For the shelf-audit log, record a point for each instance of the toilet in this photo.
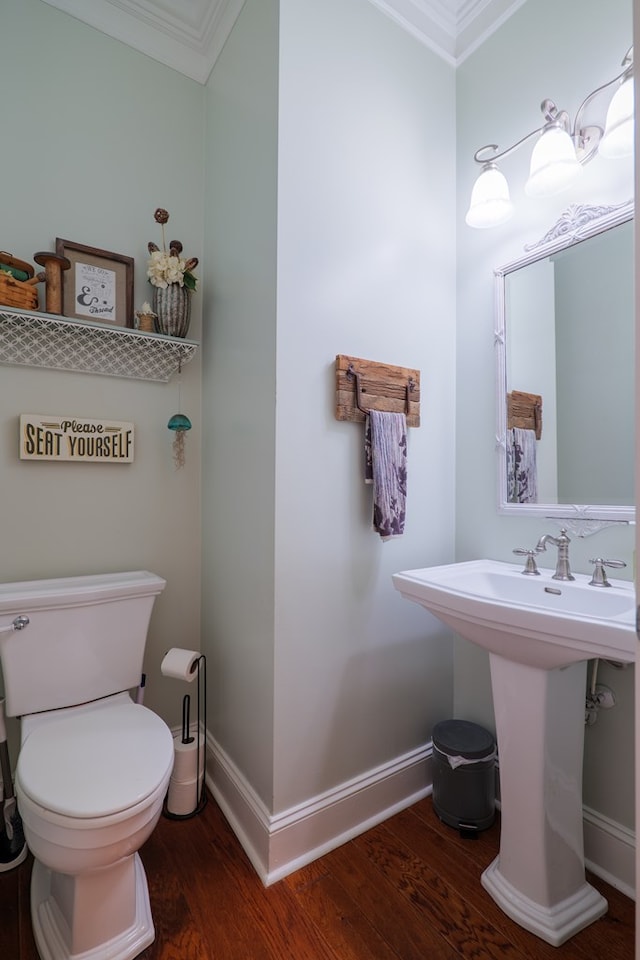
(93, 766)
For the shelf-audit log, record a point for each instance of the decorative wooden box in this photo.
(17, 283)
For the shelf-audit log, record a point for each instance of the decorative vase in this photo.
(172, 306)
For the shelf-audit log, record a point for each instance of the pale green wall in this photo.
(127, 135)
(96, 137)
(499, 89)
(239, 392)
(322, 671)
(332, 671)
(596, 370)
(531, 364)
(366, 267)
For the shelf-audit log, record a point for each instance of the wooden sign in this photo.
(524, 410)
(382, 387)
(47, 437)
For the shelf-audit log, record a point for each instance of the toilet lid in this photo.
(96, 762)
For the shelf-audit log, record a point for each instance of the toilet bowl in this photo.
(90, 784)
(93, 766)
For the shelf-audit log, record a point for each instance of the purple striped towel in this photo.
(522, 477)
(386, 469)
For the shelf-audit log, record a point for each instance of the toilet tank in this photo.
(85, 638)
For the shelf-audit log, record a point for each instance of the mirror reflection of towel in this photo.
(522, 474)
(386, 469)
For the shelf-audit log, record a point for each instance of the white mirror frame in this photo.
(576, 224)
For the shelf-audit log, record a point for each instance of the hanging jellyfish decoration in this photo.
(179, 424)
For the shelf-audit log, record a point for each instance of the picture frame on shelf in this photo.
(98, 286)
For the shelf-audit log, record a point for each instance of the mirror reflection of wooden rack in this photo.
(524, 410)
(364, 385)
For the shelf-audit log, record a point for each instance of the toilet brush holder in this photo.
(13, 846)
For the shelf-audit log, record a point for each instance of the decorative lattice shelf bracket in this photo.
(58, 343)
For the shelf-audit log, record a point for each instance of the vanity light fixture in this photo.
(559, 152)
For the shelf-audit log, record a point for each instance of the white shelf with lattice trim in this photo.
(60, 343)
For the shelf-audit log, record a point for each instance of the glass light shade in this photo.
(490, 204)
(554, 165)
(617, 140)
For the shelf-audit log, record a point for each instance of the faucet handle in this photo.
(599, 578)
(530, 568)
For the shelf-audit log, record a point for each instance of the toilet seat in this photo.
(96, 763)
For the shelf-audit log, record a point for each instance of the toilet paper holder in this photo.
(186, 799)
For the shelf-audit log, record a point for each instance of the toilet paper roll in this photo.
(180, 664)
(186, 757)
(182, 798)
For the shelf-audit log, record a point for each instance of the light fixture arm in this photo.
(581, 135)
(501, 154)
(551, 115)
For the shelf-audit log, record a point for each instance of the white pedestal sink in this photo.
(539, 633)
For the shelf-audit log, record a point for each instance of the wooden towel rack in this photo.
(524, 410)
(363, 385)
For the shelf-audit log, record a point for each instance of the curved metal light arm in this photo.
(552, 116)
(500, 154)
(627, 63)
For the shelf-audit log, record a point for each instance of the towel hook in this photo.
(352, 374)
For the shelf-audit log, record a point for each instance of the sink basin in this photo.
(531, 620)
(539, 633)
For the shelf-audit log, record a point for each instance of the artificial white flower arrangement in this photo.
(165, 268)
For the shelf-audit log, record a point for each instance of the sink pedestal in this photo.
(539, 633)
(538, 877)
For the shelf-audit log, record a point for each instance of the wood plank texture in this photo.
(409, 889)
(524, 410)
(383, 387)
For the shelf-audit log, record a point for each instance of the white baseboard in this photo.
(242, 807)
(279, 844)
(610, 851)
(313, 828)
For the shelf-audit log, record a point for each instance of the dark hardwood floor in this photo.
(408, 889)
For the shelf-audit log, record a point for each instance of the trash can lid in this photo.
(462, 738)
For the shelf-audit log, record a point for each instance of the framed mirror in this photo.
(565, 371)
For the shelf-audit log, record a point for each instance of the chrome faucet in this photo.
(562, 542)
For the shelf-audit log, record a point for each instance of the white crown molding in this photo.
(432, 22)
(191, 41)
(451, 28)
(478, 20)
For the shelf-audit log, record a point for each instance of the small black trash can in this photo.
(464, 756)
